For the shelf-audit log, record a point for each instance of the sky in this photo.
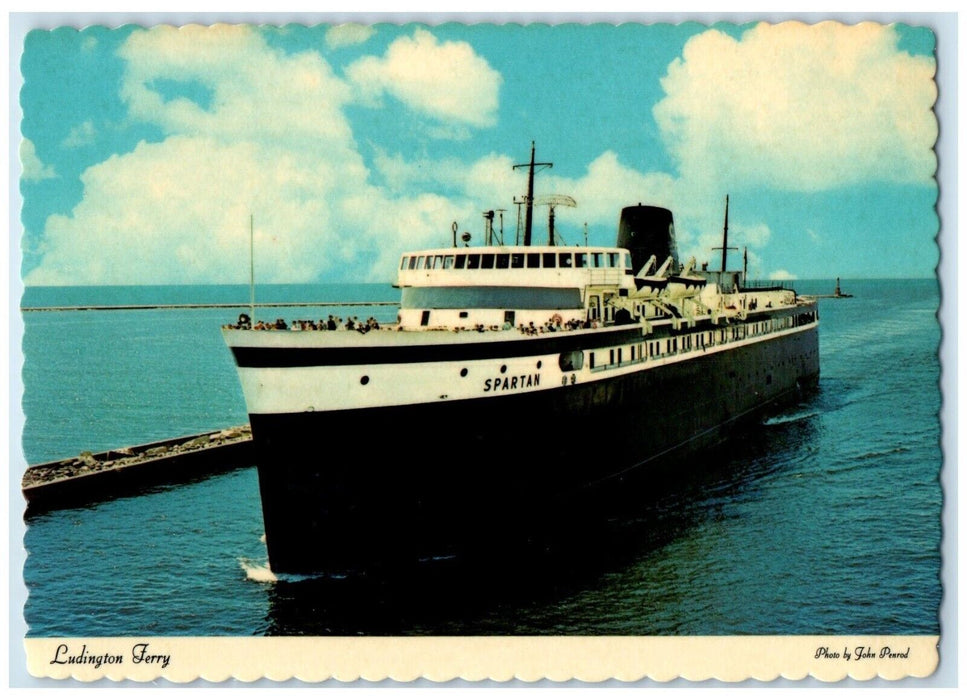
(145, 151)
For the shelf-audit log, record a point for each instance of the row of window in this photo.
(503, 261)
(692, 341)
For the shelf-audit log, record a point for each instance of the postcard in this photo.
(562, 352)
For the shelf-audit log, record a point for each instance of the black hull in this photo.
(350, 489)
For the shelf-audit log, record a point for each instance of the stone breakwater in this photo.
(92, 476)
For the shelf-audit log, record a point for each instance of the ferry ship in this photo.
(516, 378)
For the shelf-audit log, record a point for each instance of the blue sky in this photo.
(146, 150)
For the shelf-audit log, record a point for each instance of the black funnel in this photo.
(647, 231)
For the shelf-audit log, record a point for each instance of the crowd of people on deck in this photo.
(352, 323)
(333, 323)
(555, 324)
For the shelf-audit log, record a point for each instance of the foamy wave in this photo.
(790, 418)
(260, 573)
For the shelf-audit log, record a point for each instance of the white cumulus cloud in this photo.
(257, 93)
(272, 141)
(448, 81)
(348, 35)
(34, 169)
(81, 135)
(607, 186)
(800, 107)
(491, 182)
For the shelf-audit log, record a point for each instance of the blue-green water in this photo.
(823, 520)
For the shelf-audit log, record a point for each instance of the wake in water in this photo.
(260, 573)
(876, 454)
(790, 417)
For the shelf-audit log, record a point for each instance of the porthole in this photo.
(364, 380)
(539, 364)
(503, 369)
(463, 372)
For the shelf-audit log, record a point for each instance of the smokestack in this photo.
(647, 231)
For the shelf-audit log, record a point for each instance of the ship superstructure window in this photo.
(480, 297)
(504, 261)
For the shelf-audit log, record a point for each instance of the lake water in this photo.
(824, 519)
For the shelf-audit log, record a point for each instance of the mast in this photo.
(251, 266)
(725, 236)
(529, 200)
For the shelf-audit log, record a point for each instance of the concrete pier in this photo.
(91, 477)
